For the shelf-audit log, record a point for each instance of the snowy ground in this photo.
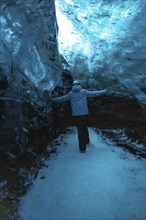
(105, 183)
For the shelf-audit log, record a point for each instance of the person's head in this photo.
(76, 82)
(76, 87)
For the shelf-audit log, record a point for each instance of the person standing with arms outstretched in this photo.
(78, 98)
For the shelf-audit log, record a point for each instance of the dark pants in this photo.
(83, 134)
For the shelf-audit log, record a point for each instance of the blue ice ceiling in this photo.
(103, 42)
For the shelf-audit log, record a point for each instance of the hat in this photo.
(76, 82)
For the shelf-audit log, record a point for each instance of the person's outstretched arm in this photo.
(63, 98)
(95, 93)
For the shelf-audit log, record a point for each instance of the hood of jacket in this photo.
(76, 88)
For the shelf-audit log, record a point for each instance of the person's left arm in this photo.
(95, 93)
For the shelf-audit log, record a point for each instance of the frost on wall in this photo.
(104, 43)
(29, 45)
(29, 67)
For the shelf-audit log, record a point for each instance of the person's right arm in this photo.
(95, 93)
(63, 98)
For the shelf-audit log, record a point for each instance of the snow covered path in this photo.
(105, 183)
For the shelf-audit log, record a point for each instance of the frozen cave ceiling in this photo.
(103, 42)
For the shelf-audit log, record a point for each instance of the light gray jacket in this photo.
(78, 99)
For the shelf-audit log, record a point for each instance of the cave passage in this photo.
(44, 46)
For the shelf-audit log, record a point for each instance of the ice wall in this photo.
(30, 68)
(29, 44)
(104, 43)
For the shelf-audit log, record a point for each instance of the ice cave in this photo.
(44, 46)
